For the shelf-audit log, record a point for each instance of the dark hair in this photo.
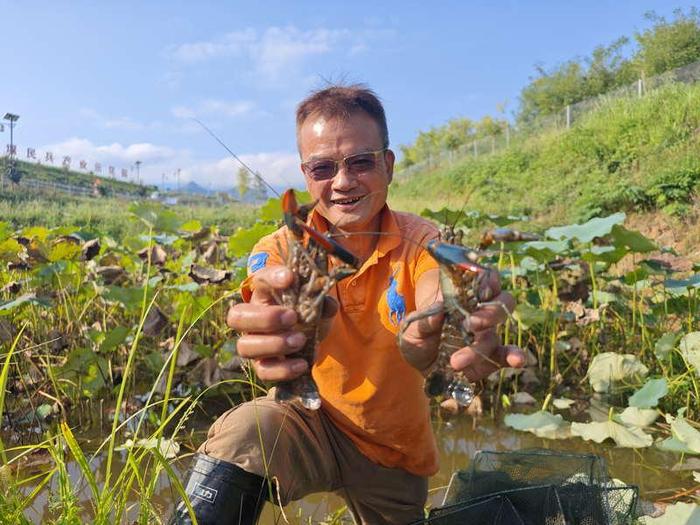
(338, 101)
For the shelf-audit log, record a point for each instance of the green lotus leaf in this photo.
(544, 251)
(648, 396)
(542, 424)
(241, 243)
(632, 240)
(9, 250)
(606, 254)
(586, 232)
(664, 345)
(529, 315)
(156, 216)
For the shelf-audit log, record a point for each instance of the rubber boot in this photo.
(222, 493)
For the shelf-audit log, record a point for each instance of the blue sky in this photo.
(117, 82)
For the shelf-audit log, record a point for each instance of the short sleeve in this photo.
(425, 261)
(266, 252)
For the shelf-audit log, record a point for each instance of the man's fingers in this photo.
(268, 281)
(259, 346)
(250, 317)
(490, 286)
(485, 356)
(279, 369)
(492, 314)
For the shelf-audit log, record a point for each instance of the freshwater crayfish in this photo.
(461, 280)
(307, 257)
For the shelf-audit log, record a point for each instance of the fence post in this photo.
(568, 116)
(639, 88)
(474, 148)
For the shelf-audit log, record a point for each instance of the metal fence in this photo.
(58, 187)
(561, 120)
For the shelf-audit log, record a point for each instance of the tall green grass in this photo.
(628, 154)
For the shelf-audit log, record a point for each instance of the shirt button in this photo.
(354, 283)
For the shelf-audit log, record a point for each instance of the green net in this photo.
(538, 487)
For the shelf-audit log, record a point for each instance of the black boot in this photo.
(222, 493)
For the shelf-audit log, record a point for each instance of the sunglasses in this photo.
(357, 164)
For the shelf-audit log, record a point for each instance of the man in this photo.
(371, 441)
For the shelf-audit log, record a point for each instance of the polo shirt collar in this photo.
(389, 227)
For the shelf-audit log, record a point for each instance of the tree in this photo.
(259, 188)
(243, 178)
(668, 45)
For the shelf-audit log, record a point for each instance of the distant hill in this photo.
(41, 175)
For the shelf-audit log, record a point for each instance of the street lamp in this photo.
(11, 118)
(138, 171)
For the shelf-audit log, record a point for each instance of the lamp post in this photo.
(138, 171)
(11, 118)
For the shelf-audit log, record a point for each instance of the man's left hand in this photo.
(421, 339)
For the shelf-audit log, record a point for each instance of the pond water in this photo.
(650, 469)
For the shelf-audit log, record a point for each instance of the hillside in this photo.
(635, 155)
(41, 174)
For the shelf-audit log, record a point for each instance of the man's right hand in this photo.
(267, 328)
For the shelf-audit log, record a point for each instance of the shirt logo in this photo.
(205, 493)
(257, 261)
(395, 301)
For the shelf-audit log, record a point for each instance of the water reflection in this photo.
(650, 469)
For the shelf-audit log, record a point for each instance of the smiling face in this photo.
(348, 201)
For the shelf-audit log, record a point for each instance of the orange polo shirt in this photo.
(366, 387)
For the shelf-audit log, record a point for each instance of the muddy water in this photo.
(458, 441)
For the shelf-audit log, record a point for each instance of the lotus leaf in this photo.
(648, 396)
(542, 424)
(157, 217)
(241, 243)
(10, 250)
(684, 438)
(528, 315)
(680, 288)
(675, 514)
(113, 338)
(690, 350)
(632, 240)
(586, 232)
(628, 437)
(544, 251)
(605, 254)
(664, 345)
(562, 403)
(609, 367)
(192, 226)
(638, 417)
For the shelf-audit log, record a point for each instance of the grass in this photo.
(107, 215)
(629, 154)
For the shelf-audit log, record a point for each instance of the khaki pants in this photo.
(304, 452)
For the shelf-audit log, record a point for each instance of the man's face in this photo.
(352, 199)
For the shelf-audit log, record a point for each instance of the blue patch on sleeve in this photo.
(257, 261)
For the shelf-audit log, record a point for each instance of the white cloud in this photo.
(279, 169)
(277, 52)
(85, 149)
(122, 122)
(231, 109)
